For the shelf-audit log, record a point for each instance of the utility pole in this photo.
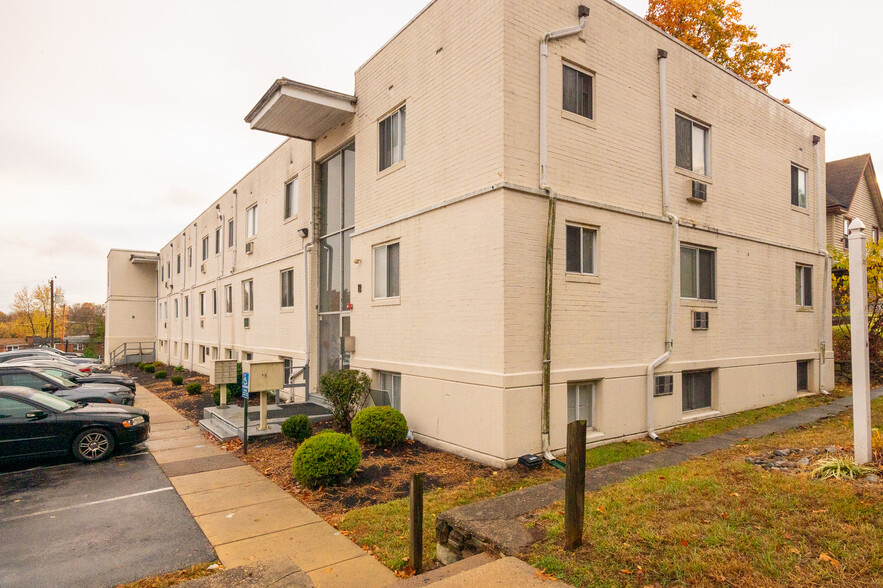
(52, 312)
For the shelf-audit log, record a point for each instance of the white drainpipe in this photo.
(550, 225)
(661, 57)
(823, 250)
(183, 289)
(193, 305)
(218, 275)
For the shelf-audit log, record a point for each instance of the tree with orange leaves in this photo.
(715, 29)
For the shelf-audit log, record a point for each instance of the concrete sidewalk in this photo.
(246, 517)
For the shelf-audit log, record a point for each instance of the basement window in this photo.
(802, 376)
(388, 391)
(577, 92)
(696, 390)
(664, 385)
(580, 402)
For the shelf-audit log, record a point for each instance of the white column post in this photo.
(858, 321)
(263, 422)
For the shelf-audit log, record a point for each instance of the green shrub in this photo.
(160, 375)
(179, 368)
(328, 459)
(158, 364)
(194, 388)
(140, 365)
(346, 390)
(297, 427)
(177, 380)
(216, 396)
(149, 368)
(382, 426)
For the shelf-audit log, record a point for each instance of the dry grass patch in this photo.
(165, 580)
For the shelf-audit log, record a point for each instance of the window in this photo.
(291, 198)
(697, 272)
(203, 353)
(386, 271)
(190, 257)
(802, 376)
(846, 222)
(214, 301)
(691, 145)
(186, 306)
(214, 353)
(162, 273)
(580, 249)
(228, 354)
(228, 299)
(798, 187)
(251, 221)
(24, 379)
(247, 296)
(230, 233)
(186, 350)
(664, 385)
(389, 390)
(580, 400)
(176, 308)
(175, 348)
(392, 139)
(700, 320)
(205, 248)
(696, 390)
(577, 92)
(218, 241)
(287, 371)
(13, 409)
(803, 285)
(202, 304)
(169, 269)
(287, 288)
(178, 264)
(247, 356)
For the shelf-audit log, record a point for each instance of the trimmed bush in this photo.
(328, 459)
(345, 390)
(160, 375)
(194, 388)
(149, 368)
(140, 365)
(177, 380)
(158, 364)
(382, 426)
(297, 427)
(179, 368)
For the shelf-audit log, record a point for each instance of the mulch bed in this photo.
(189, 405)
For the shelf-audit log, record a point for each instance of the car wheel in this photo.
(93, 445)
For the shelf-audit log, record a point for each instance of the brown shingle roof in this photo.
(843, 177)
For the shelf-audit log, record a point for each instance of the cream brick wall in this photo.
(130, 309)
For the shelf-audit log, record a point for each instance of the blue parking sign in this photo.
(245, 385)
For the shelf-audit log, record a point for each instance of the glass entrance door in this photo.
(336, 222)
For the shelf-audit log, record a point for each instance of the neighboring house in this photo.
(402, 230)
(13, 343)
(853, 192)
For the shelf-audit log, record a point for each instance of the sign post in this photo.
(858, 324)
(245, 379)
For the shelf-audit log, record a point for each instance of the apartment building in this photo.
(527, 213)
(852, 192)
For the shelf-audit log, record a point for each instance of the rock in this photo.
(445, 554)
(872, 478)
(782, 452)
(780, 463)
(789, 464)
(803, 462)
(831, 449)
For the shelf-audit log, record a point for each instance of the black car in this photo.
(37, 424)
(35, 379)
(61, 370)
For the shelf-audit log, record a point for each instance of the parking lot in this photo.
(64, 523)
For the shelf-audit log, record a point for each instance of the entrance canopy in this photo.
(299, 110)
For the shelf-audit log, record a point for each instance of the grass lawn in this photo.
(717, 520)
(383, 528)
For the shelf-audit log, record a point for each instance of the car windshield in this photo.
(53, 402)
(60, 381)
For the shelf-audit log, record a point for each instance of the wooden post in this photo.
(575, 485)
(416, 520)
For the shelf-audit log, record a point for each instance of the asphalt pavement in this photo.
(63, 523)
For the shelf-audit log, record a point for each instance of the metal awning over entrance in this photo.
(299, 110)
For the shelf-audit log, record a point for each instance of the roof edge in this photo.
(285, 83)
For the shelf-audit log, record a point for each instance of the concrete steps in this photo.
(227, 423)
(443, 572)
(480, 570)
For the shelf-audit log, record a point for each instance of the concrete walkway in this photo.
(246, 517)
(495, 522)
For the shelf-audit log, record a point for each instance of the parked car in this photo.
(37, 424)
(83, 362)
(37, 380)
(62, 353)
(69, 371)
(47, 359)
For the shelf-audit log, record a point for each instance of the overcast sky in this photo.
(122, 120)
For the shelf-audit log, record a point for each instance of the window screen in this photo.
(696, 390)
(577, 92)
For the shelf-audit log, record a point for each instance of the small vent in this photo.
(202, 267)
(249, 248)
(201, 323)
(698, 191)
(246, 322)
(700, 320)
(664, 385)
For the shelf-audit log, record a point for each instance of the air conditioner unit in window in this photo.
(202, 267)
(700, 320)
(246, 322)
(698, 191)
(249, 248)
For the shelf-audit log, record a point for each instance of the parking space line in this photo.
(70, 464)
(94, 502)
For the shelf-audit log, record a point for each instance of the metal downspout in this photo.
(583, 14)
(826, 277)
(192, 313)
(220, 271)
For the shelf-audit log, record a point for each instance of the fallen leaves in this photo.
(827, 558)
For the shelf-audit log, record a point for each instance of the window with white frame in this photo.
(697, 272)
(230, 233)
(391, 131)
(203, 353)
(228, 299)
(205, 248)
(202, 304)
(386, 271)
(389, 390)
(176, 308)
(190, 257)
(228, 354)
(580, 249)
(214, 301)
(580, 402)
(186, 350)
(178, 264)
(186, 306)
(692, 151)
(251, 221)
(214, 353)
(803, 285)
(798, 186)
(162, 273)
(696, 388)
(664, 385)
(287, 287)
(169, 269)
(846, 222)
(290, 198)
(577, 92)
(218, 241)
(247, 296)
